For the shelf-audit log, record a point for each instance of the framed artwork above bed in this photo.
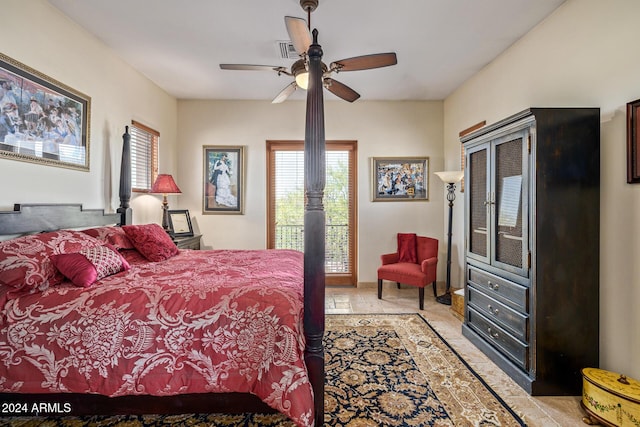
(42, 120)
(223, 179)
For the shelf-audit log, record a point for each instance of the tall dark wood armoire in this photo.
(532, 212)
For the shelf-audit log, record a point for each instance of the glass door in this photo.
(477, 200)
(285, 199)
(508, 198)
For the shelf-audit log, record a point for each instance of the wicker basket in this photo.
(457, 303)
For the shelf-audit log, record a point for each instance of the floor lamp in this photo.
(450, 178)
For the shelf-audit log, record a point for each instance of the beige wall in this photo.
(582, 55)
(381, 129)
(36, 34)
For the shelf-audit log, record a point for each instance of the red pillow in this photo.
(407, 247)
(25, 262)
(151, 241)
(112, 235)
(87, 266)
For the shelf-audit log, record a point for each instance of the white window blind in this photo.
(287, 202)
(289, 191)
(144, 156)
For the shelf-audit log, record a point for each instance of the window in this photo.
(285, 194)
(144, 156)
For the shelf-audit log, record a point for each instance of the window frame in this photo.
(351, 146)
(151, 167)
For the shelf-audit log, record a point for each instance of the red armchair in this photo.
(415, 268)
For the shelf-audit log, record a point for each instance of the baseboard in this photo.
(367, 285)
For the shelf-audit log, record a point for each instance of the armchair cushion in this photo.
(407, 247)
(404, 272)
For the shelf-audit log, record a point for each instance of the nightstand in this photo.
(191, 242)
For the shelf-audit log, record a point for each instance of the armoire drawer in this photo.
(499, 338)
(512, 320)
(510, 293)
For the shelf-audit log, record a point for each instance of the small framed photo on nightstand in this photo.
(180, 223)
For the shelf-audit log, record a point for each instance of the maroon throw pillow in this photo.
(151, 241)
(25, 262)
(407, 247)
(87, 266)
(114, 236)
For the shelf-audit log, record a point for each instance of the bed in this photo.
(193, 331)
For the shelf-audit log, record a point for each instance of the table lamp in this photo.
(165, 185)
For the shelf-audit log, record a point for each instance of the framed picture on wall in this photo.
(400, 179)
(223, 176)
(42, 120)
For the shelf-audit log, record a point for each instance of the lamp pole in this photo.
(450, 178)
(165, 213)
(451, 196)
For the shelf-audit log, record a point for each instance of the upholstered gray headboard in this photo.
(36, 218)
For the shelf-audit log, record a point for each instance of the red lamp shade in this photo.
(165, 185)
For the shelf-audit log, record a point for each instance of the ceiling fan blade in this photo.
(365, 62)
(249, 67)
(284, 93)
(298, 33)
(340, 90)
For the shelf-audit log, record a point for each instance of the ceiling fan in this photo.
(299, 33)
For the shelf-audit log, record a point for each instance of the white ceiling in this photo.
(179, 44)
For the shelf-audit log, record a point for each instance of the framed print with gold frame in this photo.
(42, 120)
(223, 179)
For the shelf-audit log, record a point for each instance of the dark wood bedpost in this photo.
(314, 229)
(125, 179)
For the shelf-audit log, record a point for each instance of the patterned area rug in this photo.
(381, 370)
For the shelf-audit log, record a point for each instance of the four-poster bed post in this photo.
(125, 179)
(314, 229)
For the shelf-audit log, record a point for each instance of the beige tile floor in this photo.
(536, 411)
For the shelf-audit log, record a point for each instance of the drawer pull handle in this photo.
(493, 310)
(494, 286)
(492, 334)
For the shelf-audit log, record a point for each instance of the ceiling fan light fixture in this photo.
(302, 80)
(301, 74)
(299, 71)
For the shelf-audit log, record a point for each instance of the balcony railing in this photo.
(336, 244)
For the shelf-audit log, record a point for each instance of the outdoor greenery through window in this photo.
(144, 156)
(286, 201)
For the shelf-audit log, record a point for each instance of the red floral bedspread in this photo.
(202, 321)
